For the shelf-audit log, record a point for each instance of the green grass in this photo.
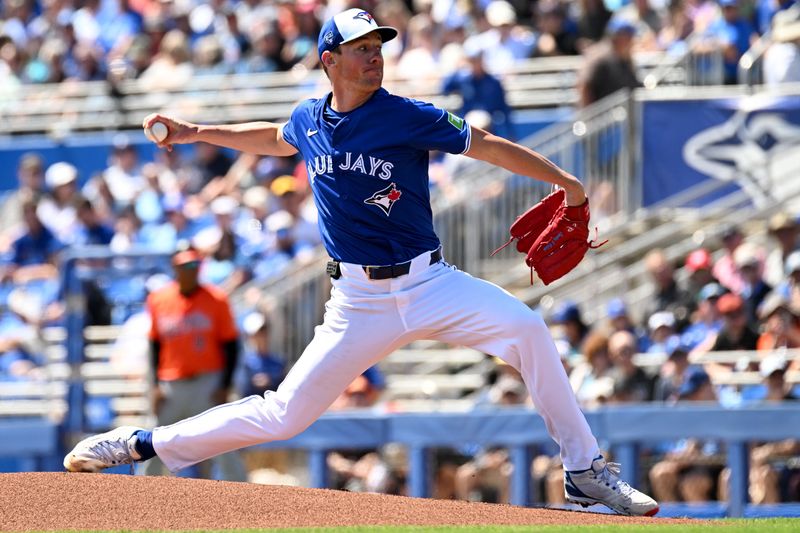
(788, 525)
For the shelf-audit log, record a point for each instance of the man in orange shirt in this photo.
(194, 347)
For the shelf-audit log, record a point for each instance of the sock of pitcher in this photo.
(144, 444)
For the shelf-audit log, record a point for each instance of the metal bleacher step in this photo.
(114, 387)
(433, 384)
(453, 356)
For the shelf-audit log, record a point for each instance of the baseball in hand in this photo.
(157, 132)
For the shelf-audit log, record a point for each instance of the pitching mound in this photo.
(61, 501)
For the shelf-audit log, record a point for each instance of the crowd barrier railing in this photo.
(625, 429)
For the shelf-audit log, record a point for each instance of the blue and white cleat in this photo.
(601, 484)
(113, 448)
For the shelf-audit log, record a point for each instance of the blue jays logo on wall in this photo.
(385, 198)
(746, 143)
(363, 15)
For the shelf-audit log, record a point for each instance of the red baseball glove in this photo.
(553, 236)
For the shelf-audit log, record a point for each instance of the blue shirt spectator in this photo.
(735, 34)
(480, 90)
(91, 230)
(261, 370)
(765, 11)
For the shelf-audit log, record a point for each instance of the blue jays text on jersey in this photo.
(368, 170)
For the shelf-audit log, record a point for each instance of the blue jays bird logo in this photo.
(363, 15)
(385, 198)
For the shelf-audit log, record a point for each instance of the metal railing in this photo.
(59, 109)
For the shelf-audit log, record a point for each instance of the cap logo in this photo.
(363, 15)
(328, 38)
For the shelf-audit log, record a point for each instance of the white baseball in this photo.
(157, 132)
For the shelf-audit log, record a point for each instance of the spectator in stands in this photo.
(592, 21)
(782, 58)
(703, 14)
(662, 327)
(573, 328)
(790, 287)
(21, 344)
(699, 264)
(558, 35)
(353, 469)
(57, 211)
(419, 61)
(30, 184)
(767, 459)
(631, 383)
(302, 227)
(735, 34)
(212, 163)
(265, 55)
(783, 228)
(609, 66)
(505, 42)
(34, 252)
(85, 63)
(677, 28)
(261, 369)
(620, 320)
(668, 295)
(363, 392)
(127, 232)
(208, 57)
(479, 90)
(124, 175)
(735, 334)
(505, 387)
(780, 325)
(177, 226)
(647, 20)
(130, 352)
(747, 259)
(171, 68)
(690, 467)
(225, 265)
(672, 372)
(194, 349)
(91, 230)
(593, 379)
(382, 471)
(766, 11)
(486, 476)
(706, 320)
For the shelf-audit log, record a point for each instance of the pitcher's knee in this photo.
(285, 429)
(527, 326)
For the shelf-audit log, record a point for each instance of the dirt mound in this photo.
(61, 501)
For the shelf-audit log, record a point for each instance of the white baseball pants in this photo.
(366, 320)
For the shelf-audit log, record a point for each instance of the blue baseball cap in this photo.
(616, 308)
(694, 378)
(567, 312)
(710, 290)
(348, 26)
(620, 25)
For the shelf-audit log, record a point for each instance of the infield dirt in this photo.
(59, 501)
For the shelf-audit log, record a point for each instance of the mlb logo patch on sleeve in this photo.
(456, 122)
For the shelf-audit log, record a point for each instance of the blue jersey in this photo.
(368, 171)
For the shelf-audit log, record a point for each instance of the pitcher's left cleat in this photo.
(601, 484)
(113, 448)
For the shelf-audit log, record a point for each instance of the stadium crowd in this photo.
(165, 43)
(251, 217)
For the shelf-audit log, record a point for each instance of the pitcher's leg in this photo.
(340, 351)
(481, 315)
